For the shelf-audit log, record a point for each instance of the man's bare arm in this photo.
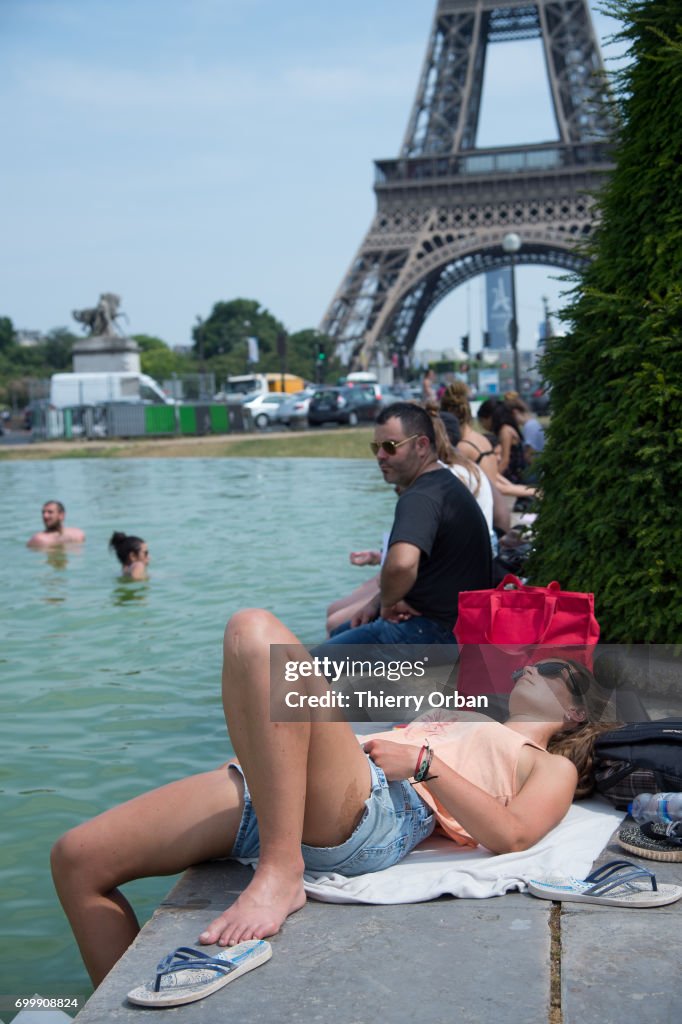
(399, 572)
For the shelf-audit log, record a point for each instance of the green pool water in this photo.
(109, 687)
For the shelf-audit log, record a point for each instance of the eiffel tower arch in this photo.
(444, 206)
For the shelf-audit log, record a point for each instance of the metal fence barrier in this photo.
(129, 419)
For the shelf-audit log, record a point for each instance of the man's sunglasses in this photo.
(553, 670)
(390, 447)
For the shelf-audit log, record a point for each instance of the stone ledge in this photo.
(471, 961)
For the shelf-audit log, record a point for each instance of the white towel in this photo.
(437, 867)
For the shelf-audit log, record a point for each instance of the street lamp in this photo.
(511, 244)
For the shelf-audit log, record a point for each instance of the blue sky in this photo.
(181, 152)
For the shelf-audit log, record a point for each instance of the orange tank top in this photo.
(484, 753)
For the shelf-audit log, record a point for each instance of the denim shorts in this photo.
(395, 819)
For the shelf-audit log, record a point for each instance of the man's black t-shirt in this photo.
(441, 517)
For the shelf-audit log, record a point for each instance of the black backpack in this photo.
(644, 757)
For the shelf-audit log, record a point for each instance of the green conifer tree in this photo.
(611, 518)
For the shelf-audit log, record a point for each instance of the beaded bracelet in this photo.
(424, 764)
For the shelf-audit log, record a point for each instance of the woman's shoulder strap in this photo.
(481, 455)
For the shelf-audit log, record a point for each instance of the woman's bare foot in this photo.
(260, 910)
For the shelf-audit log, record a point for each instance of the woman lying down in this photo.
(306, 796)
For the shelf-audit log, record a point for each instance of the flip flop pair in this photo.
(187, 974)
(620, 883)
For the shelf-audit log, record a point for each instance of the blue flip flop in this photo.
(187, 974)
(620, 883)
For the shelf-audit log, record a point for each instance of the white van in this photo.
(72, 389)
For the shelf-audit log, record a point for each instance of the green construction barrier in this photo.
(220, 421)
(188, 419)
(159, 419)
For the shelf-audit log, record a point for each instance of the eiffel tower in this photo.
(444, 206)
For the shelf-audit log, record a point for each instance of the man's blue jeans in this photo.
(413, 634)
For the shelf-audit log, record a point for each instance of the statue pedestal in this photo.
(106, 353)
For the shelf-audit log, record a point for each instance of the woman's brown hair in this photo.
(445, 450)
(577, 744)
(456, 399)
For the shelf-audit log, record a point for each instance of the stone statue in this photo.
(102, 318)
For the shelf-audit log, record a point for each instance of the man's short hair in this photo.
(57, 503)
(413, 419)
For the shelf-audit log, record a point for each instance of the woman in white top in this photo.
(474, 446)
(447, 436)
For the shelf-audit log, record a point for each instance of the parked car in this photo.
(370, 387)
(343, 405)
(264, 408)
(295, 409)
(389, 396)
(406, 392)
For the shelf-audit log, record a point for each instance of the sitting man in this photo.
(55, 532)
(439, 543)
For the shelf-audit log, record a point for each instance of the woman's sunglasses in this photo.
(553, 670)
(390, 447)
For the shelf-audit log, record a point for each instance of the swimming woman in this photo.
(305, 795)
(133, 554)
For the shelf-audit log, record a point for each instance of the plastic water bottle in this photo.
(661, 807)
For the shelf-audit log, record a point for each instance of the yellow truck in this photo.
(253, 384)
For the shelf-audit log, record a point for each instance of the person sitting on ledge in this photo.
(344, 608)
(305, 796)
(55, 532)
(133, 554)
(438, 545)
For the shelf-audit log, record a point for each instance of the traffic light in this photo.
(465, 343)
(320, 360)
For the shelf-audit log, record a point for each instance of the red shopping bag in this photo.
(513, 625)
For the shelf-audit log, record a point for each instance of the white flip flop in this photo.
(612, 885)
(186, 974)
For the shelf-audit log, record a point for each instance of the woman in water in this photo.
(305, 795)
(133, 554)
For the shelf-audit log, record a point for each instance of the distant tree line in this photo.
(220, 345)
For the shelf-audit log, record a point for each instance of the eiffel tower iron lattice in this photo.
(444, 206)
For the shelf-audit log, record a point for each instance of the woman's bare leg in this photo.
(308, 781)
(160, 833)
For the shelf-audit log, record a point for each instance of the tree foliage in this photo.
(21, 363)
(6, 333)
(611, 474)
(226, 331)
(57, 348)
(221, 340)
(159, 361)
(149, 343)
